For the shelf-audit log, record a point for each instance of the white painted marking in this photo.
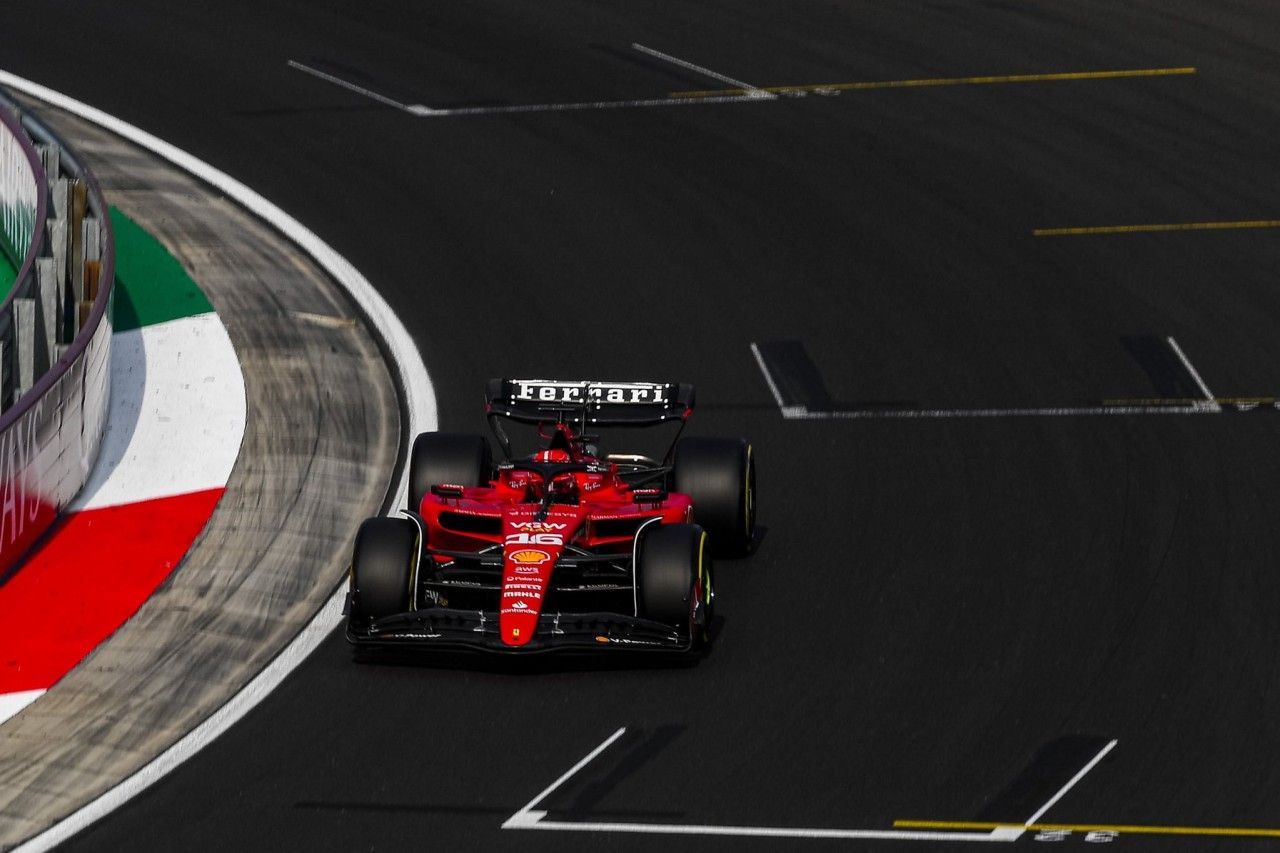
(424, 111)
(346, 84)
(12, 703)
(420, 403)
(800, 413)
(529, 817)
(1211, 402)
(520, 817)
(177, 414)
(787, 411)
(533, 821)
(698, 69)
(418, 109)
(1102, 753)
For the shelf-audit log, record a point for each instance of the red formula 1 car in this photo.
(566, 548)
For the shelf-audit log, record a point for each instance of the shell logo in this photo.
(530, 556)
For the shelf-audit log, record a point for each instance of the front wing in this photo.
(477, 630)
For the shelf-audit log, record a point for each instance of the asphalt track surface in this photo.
(948, 616)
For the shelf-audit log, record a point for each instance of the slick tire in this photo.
(446, 457)
(382, 568)
(674, 579)
(720, 475)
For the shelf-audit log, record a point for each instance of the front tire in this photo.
(459, 459)
(719, 474)
(673, 576)
(383, 568)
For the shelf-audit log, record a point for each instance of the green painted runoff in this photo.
(151, 286)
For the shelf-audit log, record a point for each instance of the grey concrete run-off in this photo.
(319, 451)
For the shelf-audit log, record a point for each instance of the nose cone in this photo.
(530, 549)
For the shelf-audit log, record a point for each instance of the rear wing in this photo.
(589, 402)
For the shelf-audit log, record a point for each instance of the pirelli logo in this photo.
(622, 393)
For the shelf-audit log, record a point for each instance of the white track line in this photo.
(420, 110)
(523, 816)
(1102, 753)
(705, 72)
(800, 413)
(787, 411)
(530, 818)
(346, 84)
(1002, 834)
(1211, 402)
(420, 402)
(424, 111)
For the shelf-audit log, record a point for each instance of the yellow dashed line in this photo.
(1122, 828)
(1152, 229)
(941, 81)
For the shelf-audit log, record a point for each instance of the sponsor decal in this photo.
(515, 632)
(522, 583)
(628, 642)
(526, 570)
(520, 593)
(538, 526)
(530, 556)
(629, 393)
(535, 539)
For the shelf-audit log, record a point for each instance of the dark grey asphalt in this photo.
(936, 601)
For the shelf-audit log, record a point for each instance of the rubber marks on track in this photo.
(173, 434)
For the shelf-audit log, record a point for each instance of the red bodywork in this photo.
(596, 511)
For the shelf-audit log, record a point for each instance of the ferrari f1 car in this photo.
(566, 548)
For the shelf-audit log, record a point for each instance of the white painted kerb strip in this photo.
(12, 703)
(177, 414)
(420, 403)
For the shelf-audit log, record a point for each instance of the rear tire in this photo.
(719, 474)
(674, 579)
(382, 568)
(458, 459)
